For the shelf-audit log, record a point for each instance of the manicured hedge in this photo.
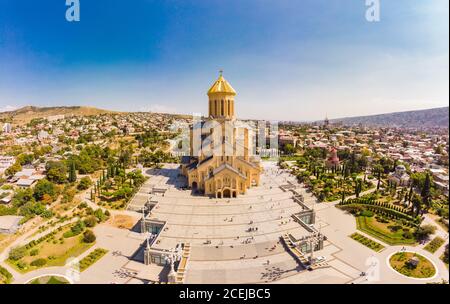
(91, 258)
(388, 210)
(7, 276)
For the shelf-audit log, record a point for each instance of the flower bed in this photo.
(367, 242)
(434, 245)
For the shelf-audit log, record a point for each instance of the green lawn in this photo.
(55, 250)
(380, 231)
(367, 242)
(49, 280)
(424, 269)
(434, 245)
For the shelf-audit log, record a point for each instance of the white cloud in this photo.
(8, 108)
(158, 108)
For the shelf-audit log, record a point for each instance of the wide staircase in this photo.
(304, 261)
(183, 264)
(295, 251)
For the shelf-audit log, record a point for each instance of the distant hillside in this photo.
(26, 114)
(430, 118)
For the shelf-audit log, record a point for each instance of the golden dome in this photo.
(221, 86)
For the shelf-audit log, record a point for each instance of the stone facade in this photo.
(221, 163)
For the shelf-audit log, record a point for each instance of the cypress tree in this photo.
(426, 190)
(72, 173)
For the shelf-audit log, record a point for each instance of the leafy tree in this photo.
(424, 231)
(56, 172)
(44, 187)
(288, 149)
(16, 167)
(378, 169)
(68, 194)
(77, 228)
(85, 183)
(25, 159)
(22, 196)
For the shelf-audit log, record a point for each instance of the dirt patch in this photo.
(122, 221)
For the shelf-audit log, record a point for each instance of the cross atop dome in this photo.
(221, 86)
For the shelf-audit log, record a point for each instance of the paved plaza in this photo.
(225, 251)
(236, 240)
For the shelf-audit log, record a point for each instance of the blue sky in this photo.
(288, 60)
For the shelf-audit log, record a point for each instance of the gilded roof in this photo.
(221, 86)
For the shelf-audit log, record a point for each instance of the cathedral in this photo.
(221, 162)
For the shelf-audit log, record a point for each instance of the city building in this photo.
(6, 162)
(7, 128)
(9, 224)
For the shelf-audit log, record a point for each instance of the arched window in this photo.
(222, 107)
(229, 107)
(215, 107)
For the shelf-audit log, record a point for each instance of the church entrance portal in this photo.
(226, 193)
(194, 187)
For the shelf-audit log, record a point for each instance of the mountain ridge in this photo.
(27, 113)
(426, 118)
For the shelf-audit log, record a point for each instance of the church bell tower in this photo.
(221, 99)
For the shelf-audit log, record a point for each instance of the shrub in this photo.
(21, 265)
(84, 183)
(17, 253)
(82, 205)
(407, 235)
(367, 213)
(90, 221)
(89, 236)
(100, 215)
(395, 228)
(34, 252)
(75, 230)
(39, 262)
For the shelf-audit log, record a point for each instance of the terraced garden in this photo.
(388, 232)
